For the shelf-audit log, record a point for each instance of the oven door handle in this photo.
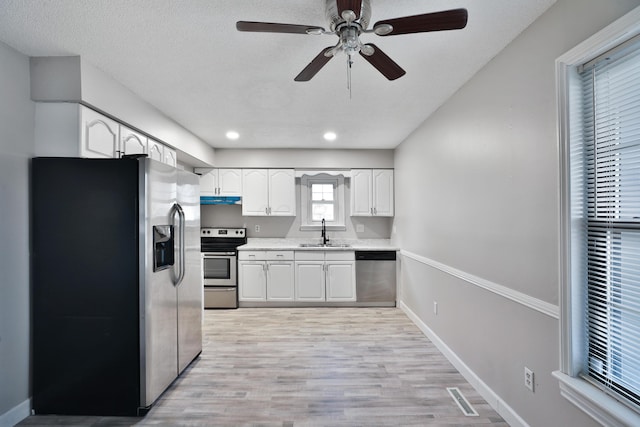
(218, 254)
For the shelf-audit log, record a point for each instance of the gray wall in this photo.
(16, 147)
(477, 196)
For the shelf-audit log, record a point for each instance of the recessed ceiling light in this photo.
(330, 136)
(233, 135)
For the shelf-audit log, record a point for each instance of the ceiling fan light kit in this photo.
(348, 19)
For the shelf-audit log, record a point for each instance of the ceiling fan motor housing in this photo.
(335, 18)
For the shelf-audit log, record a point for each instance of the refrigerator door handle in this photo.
(181, 224)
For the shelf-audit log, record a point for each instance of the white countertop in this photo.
(263, 244)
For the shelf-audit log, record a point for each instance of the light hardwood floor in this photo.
(309, 367)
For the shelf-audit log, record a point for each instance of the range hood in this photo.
(220, 200)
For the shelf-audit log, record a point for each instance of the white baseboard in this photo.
(16, 414)
(492, 398)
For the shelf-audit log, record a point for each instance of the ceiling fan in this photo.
(348, 19)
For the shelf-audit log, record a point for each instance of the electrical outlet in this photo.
(435, 307)
(257, 228)
(528, 378)
(359, 228)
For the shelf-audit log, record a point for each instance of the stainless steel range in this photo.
(220, 265)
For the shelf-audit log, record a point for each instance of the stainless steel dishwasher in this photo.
(376, 278)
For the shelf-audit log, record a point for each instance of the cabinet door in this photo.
(255, 192)
(169, 156)
(208, 183)
(282, 192)
(230, 182)
(156, 150)
(309, 282)
(252, 281)
(132, 142)
(341, 281)
(280, 278)
(99, 135)
(383, 192)
(361, 192)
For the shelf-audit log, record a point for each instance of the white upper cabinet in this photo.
(221, 182)
(372, 192)
(100, 136)
(383, 192)
(169, 156)
(229, 182)
(156, 150)
(255, 192)
(282, 192)
(268, 192)
(208, 183)
(132, 142)
(103, 137)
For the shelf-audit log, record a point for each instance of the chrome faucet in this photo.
(325, 239)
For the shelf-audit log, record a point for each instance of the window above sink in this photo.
(322, 196)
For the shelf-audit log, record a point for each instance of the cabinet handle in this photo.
(266, 211)
(375, 211)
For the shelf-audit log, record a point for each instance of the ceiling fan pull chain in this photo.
(349, 63)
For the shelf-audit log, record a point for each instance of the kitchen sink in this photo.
(328, 245)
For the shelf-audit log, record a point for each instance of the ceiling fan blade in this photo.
(353, 5)
(383, 63)
(314, 66)
(454, 19)
(271, 27)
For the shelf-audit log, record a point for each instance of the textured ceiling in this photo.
(186, 58)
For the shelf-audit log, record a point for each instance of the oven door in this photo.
(220, 269)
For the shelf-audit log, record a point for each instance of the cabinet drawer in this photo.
(340, 255)
(279, 255)
(309, 256)
(251, 255)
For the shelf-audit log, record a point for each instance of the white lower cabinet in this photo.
(340, 281)
(325, 276)
(252, 281)
(300, 276)
(265, 276)
(310, 280)
(280, 278)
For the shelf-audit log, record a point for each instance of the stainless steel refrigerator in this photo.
(117, 284)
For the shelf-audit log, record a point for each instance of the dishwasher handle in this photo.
(375, 255)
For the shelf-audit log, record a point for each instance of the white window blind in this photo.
(609, 200)
(322, 201)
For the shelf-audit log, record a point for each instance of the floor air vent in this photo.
(464, 405)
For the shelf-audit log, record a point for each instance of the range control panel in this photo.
(223, 232)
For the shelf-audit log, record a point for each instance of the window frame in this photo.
(586, 396)
(306, 183)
